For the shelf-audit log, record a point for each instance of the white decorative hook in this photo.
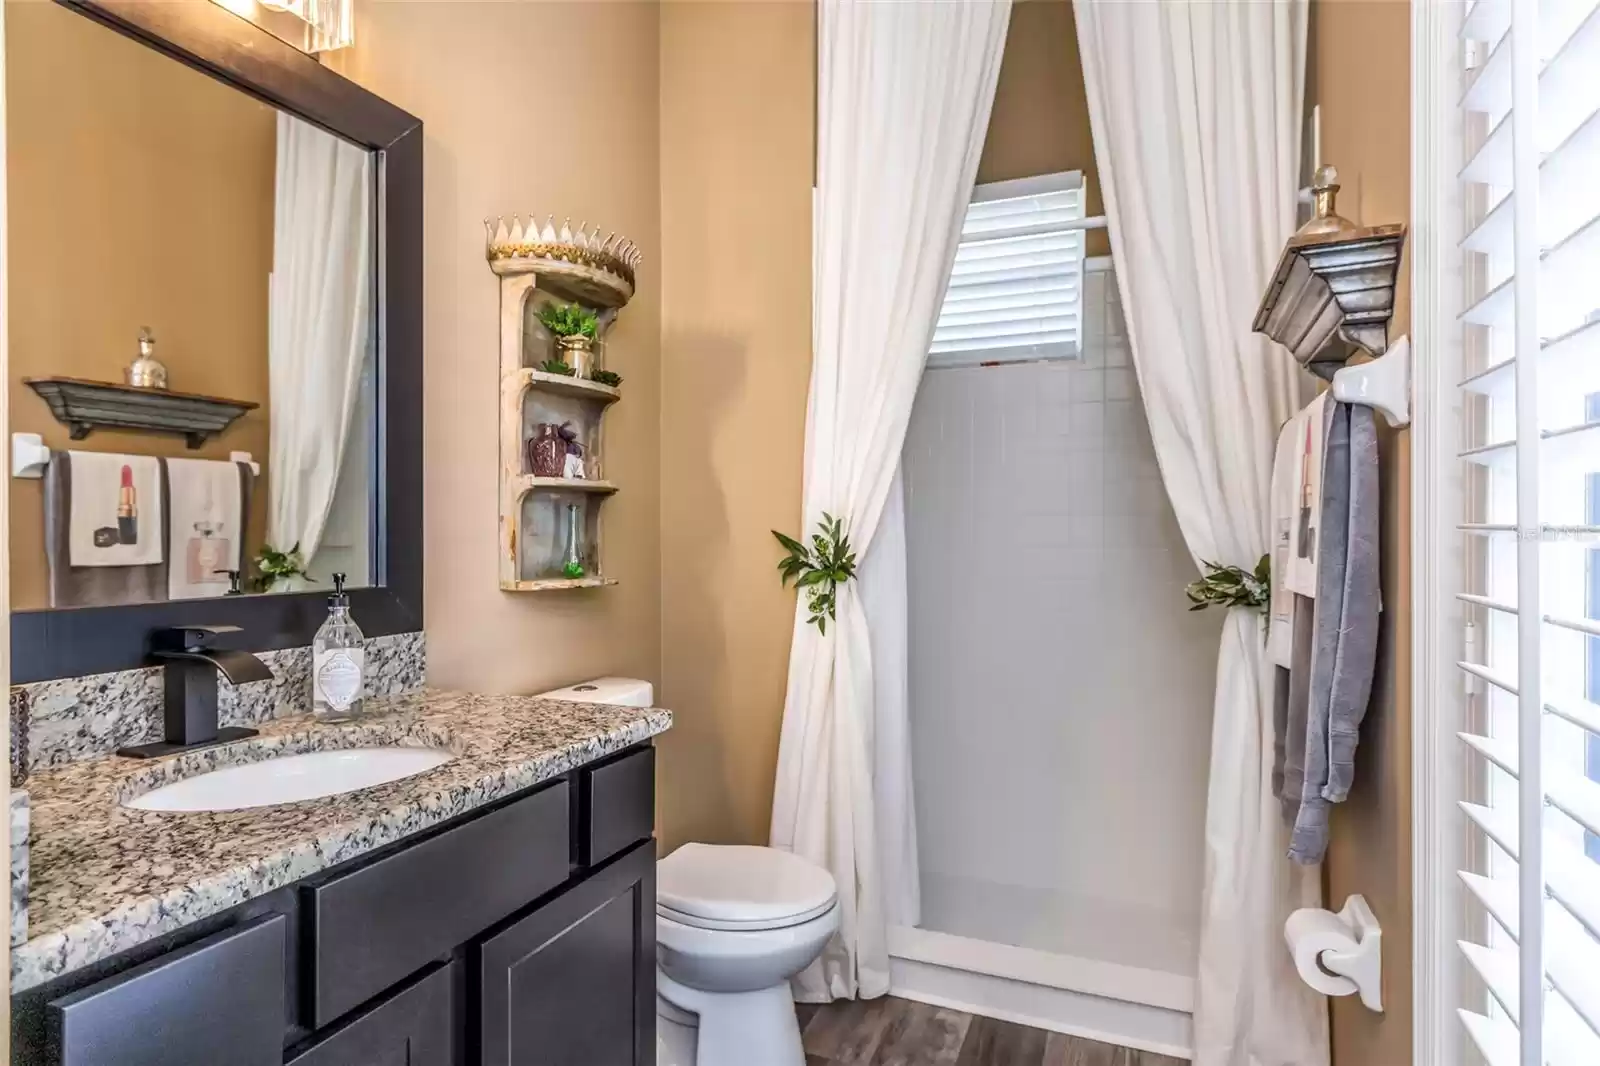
(1383, 383)
(29, 456)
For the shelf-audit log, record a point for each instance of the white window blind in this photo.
(1016, 291)
(1530, 451)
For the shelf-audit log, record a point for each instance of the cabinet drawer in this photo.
(217, 1000)
(376, 925)
(620, 798)
(411, 1028)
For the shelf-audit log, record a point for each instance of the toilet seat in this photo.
(738, 887)
(696, 921)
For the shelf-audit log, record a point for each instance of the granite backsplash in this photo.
(86, 717)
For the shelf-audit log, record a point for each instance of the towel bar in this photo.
(29, 456)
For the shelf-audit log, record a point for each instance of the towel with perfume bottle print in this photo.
(115, 510)
(206, 501)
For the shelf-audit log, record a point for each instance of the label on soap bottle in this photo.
(338, 676)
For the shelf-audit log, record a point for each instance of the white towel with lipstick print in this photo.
(115, 517)
(1296, 517)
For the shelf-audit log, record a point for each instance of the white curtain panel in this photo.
(903, 98)
(1196, 110)
(884, 602)
(319, 329)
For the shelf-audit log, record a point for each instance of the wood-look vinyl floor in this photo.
(898, 1032)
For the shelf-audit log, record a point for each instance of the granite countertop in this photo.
(105, 878)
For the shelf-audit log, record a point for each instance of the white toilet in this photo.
(733, 924)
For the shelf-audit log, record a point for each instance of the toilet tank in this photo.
(621, 691)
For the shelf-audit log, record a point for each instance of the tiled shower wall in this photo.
(1060, 690)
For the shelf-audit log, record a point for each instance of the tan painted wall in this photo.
(5, 563)
(530, 107)
(130, 174)
(737, 125)
(1040, 121)
(1360, 73)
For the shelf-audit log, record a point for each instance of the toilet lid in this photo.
(741, 885)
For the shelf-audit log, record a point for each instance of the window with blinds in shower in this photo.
(1529, 454)
(1016, 290)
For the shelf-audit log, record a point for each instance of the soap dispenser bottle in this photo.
(338, 661)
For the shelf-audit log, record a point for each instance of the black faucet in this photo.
(191, 668)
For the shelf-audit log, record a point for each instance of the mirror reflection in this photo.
(192, 330)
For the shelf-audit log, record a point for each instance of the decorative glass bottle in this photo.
(338, 661)
(572, 559)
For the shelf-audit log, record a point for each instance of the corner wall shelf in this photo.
(548, 584)
(538, 515)
(569, 484)
(561, 385)
(84, 406)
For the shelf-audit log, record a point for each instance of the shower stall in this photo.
(1060, 698)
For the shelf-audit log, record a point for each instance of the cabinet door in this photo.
(574, 982)
(410, 1028)
(218, 1000)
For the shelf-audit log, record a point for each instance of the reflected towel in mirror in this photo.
(114, 510)
(206, 498)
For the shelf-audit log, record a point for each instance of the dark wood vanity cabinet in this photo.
(371, 926)
(413, 1027)
(521, 934)
(561, 986)
(148, 1015)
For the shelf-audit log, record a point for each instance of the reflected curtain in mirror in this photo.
(320, 337)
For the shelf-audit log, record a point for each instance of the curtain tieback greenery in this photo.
(1231, 586)
(819, 569)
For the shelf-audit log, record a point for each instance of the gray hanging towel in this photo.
(1344, 628)
(1291, 703)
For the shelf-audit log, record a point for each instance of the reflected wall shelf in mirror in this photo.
(84, 406)
(552, 411)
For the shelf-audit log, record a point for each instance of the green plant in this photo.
(1231, 586)
(568, 320)
(605, 377)
(273, 566)
(556, 366)
(819, 569)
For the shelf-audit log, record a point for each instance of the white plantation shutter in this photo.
(1530, 451)
(1016, 291)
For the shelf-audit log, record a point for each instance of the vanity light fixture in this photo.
(310, 25)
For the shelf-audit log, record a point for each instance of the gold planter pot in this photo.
(577, 351)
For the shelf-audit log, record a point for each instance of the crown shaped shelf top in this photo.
(550, 520)
(578, 265)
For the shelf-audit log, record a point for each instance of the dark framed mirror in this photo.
(216, 341)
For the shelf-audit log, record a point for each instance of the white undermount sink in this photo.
(289, 779)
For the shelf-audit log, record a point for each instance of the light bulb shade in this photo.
(309, 25)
